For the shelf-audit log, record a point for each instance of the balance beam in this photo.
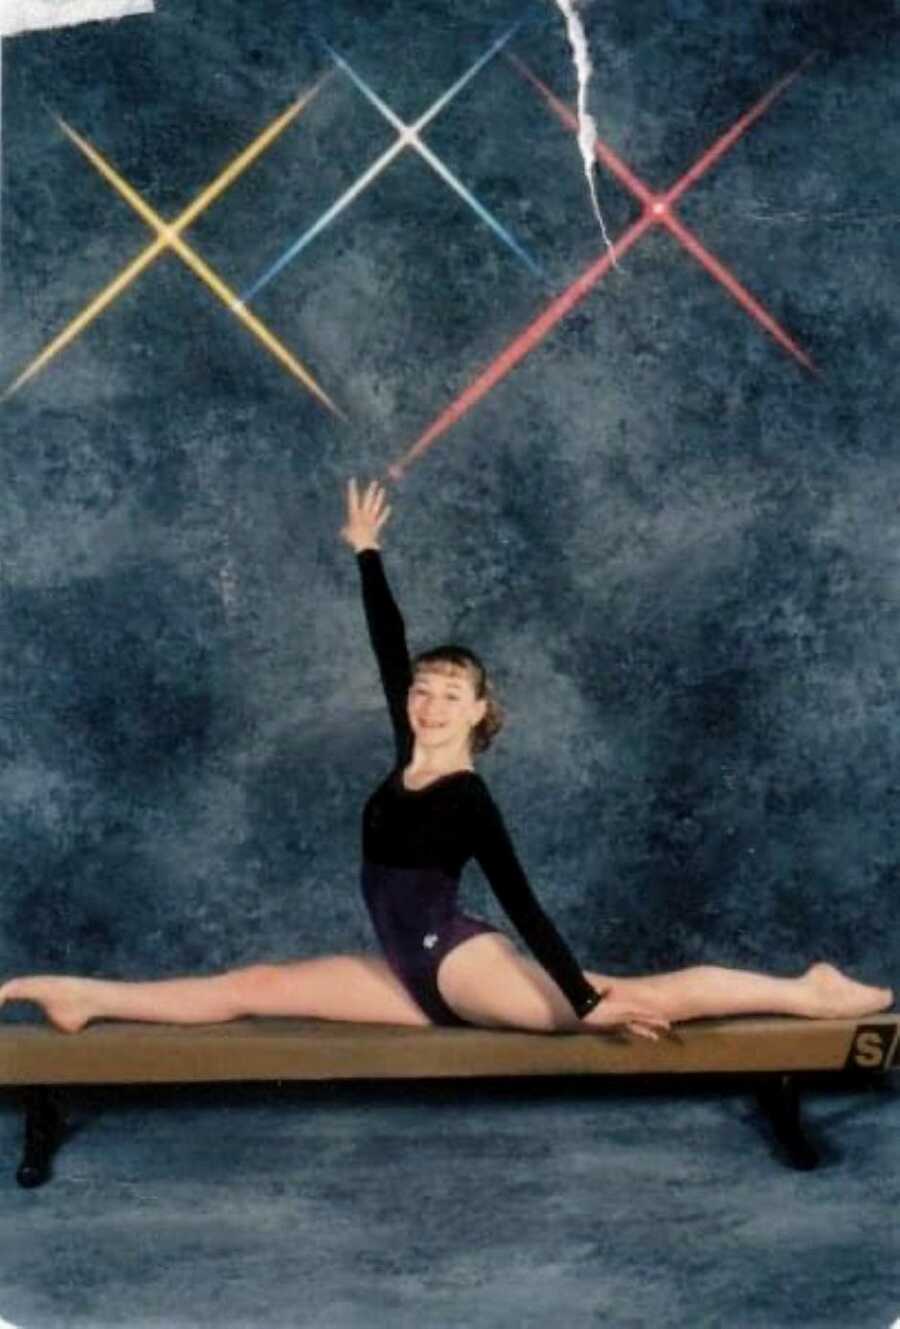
(774, 1049)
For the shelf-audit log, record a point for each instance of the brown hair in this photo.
(460, 657)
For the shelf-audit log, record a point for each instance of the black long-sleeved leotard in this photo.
(426, 835)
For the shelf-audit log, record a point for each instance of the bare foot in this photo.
(834, 996)
(65, 1001)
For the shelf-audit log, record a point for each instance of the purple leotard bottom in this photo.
(414, 914)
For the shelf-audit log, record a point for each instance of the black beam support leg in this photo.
(779, 1101)
(43, 1134)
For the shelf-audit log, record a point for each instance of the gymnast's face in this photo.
(442, 707)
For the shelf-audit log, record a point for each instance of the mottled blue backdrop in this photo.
(676, 546)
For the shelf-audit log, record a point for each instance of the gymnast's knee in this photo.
(248, 987)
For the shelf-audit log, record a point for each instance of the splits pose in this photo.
(421, 825)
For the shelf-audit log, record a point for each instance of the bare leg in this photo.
(488, 982)
(332, 987)
(485, 980)
(822, 992)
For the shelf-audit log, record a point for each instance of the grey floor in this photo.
(492, 1205)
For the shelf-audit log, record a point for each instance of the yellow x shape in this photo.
(168, 236)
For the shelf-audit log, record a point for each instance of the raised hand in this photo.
(365, 516)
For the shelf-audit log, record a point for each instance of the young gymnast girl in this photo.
(440, 966)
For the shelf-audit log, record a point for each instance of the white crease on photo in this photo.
(28, 15)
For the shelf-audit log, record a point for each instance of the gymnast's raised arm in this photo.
(366, 515)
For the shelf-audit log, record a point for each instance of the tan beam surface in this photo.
(264, 1049)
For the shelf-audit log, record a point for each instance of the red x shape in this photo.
(657, 211)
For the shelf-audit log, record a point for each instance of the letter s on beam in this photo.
(871, 1047)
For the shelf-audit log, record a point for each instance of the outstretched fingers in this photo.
(645, 1031)
(367, 512)
(618, 1014)
(378, 507)
(646, 1025)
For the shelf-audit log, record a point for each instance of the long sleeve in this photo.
(497, 858)
(388, 636)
